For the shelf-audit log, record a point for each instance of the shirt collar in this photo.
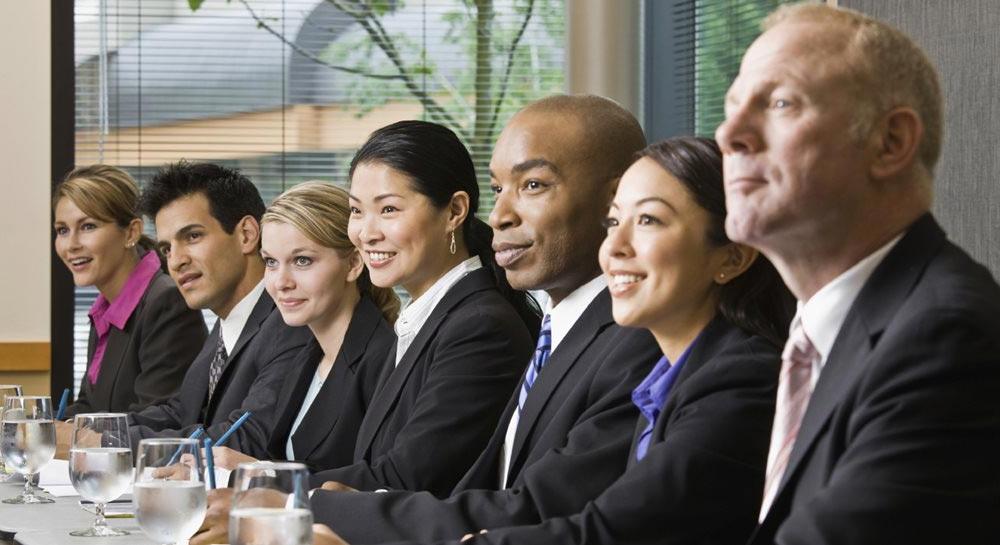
(823, 314)
(118, 312)
(419, 309)
(232, 325)
(569, 310)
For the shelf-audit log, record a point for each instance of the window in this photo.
(286, 90)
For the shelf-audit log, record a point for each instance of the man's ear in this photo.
(738, 259)
(896, 141)
(248, 230)
(458, 209)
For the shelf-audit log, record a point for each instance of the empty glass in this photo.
(28, 440)
(169, 491)
(271, 505)
(6, 390)
(100, 465)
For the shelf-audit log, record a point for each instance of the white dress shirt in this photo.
(311, 393)
(412, 318)
(232, 325)
(824, 313)
(562, 317)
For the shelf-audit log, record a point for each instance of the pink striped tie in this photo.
(794, 389)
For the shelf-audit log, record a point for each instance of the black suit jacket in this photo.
(325, 438)
(261, 359)
(900, 442)
(572, 441)
(434, 412)
(145, 362)
(702, 478)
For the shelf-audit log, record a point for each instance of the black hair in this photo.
(439, 165)
(756, 300)
(231, 195)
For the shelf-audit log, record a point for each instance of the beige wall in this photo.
(603, 50)
(25, 185)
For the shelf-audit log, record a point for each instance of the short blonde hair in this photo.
(320, 211)
(105, 193)
(890, 68)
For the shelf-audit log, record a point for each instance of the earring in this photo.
(451, 247)
(129, 244)
(722, 276)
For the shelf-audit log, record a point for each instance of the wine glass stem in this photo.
(100, 522)
(28, 491)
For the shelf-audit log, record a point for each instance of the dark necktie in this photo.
(538, 360)
(217, 367)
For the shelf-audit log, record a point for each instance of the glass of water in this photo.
(271, 505)
(169, 491)
(6, 390)
(28, 440)
(100, 465)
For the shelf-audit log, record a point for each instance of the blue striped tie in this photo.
(538, 360)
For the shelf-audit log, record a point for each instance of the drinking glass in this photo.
(169, 491)
(28, 440)
(271, 505)
(6, 390)
(100, 465)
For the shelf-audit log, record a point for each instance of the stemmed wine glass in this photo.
(100, 465)
(28, 440)
(6, 390)
(271, 505)
(169, 491)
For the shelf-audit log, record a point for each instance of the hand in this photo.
(323, 535)
(228, 458)
(215, 527)
(335, 486)
(467, 537)
(64, 439)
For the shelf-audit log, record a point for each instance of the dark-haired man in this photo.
(208, 227)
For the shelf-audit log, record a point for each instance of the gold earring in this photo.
(451, 247)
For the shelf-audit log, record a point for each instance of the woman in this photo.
(465, 337)
(317, 279)
(143, 336)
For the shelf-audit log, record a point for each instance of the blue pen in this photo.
(232, 429)
(196, 434)
(210, 462)
(61, 413)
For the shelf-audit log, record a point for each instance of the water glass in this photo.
(28, 440)
(271, 505)
(6, 390)
(100, 465)
(169, 491)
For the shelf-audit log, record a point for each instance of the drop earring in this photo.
(451, 247)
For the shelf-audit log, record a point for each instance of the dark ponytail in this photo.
(438, 165)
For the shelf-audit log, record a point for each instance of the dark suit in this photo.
(434, 412)
(144, 363)
(260, 360)
(900, 442)
(572, 441)
(325, 438)
(702, 478)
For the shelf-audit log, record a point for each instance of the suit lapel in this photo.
(259, 313)
(310, 357)
(876, 304)
(114, 353)
(596, 317)
(395, 376)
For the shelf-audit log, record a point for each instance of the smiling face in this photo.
(96, 252)
(402, 236)
(795, 171)
(309, 282)
(207, 263)
(549, 204)
(657, 258)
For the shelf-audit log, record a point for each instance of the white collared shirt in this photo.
(824, 313)
(412, 318)
(562, 318)
(232, 325)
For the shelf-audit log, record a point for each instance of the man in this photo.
(208, 226)
(887, 427)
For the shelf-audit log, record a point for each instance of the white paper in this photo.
(61, 490)
(54, 473)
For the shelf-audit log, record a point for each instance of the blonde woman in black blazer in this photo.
(143, 336)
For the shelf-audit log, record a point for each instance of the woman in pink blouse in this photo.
(143, 336)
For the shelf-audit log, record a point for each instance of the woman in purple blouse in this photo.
(143, 336)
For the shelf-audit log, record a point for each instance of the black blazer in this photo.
(702, 478)
(572, 441)
(145, 362)
(434, 412)
(325, 438)
(900, 442)
(261, 359)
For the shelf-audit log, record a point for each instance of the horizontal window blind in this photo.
(286, 90)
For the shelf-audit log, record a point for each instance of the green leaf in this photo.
(195, 4)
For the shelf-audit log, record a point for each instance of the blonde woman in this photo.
(143, 336)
